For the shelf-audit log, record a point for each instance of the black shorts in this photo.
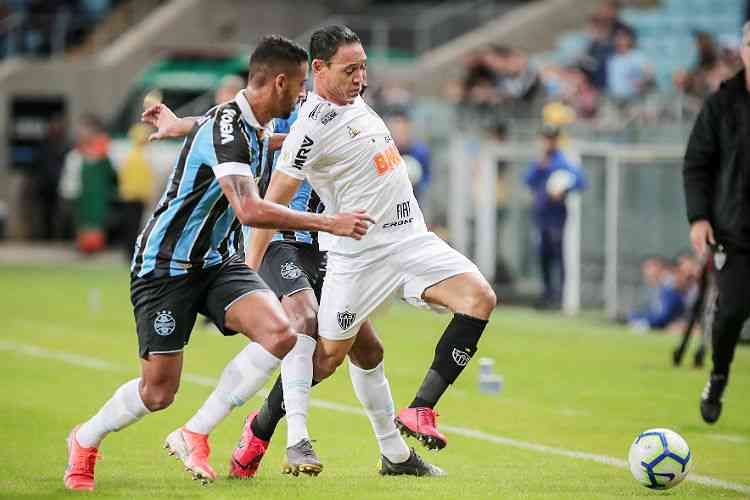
(290, 267)
(165, 308)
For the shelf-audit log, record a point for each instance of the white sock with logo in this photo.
(124, 408)
(296, 378)
(374, 392)
(240, 380)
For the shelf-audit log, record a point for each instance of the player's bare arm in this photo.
(280, 190)
(276, 141)
(168, 125)
(254, 211)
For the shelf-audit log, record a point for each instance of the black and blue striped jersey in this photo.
(304, 200)
(193, 226)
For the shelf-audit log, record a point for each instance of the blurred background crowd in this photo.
(541, 159)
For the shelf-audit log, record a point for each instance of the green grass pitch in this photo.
(67, 341)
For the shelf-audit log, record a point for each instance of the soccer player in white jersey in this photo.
(346, 152)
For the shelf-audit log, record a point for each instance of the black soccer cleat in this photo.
(711, 398)
(413, 466)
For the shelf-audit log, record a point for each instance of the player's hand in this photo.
(165, 121)
(353, 225)
(701, 233)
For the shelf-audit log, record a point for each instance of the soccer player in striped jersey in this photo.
(188, 259)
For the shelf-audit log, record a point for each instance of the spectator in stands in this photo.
(136, 186)
(519, 84)
(629, 75)
(47, 172)
(609, 14)
(663, 302)
(550, 180)
(415, 153)
(696, 80)
(228, 88)
(88, 183)
(600, 49)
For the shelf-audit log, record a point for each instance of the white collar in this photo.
(249, 116)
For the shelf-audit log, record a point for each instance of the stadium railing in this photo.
(633, 207)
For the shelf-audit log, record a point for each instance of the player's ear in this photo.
(280, 82)
(318, 65)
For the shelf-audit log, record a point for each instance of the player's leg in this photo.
(732, 310)
(302, 309)
(443, 277)
(239, 301)
(294, 273)
(164, 319)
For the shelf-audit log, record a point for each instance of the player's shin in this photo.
(452, 353)
(124, 408)
(374, 392)
(240, 380)
(296, 377)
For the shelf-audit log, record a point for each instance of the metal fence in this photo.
(633, 207)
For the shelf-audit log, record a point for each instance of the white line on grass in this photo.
(98, 364)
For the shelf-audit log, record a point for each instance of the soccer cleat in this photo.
(193, 451)
(79, 473)
(248, 453)
(421, 423)
(711, 398)
(413, 466)
(302, 458)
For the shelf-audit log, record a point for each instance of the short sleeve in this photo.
(300, 151)
(233, 154)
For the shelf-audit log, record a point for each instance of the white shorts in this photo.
(355, 286)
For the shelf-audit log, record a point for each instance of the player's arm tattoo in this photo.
(241, 185)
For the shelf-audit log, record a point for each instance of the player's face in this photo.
(345, 74)
(745, 51)
(292, 91)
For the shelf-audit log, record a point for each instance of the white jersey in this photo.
(349, 157)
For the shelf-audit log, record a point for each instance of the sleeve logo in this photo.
(226, 125)
(303, 152)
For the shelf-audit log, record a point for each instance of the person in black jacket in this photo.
(716, 177)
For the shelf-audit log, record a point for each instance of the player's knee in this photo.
(281, 343)
(369, 358)
(325, 366)
(157, 398)
(306, 323)
(482, 300)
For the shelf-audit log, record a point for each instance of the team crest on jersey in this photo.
(346, 319)
(290, 271)
(460, 357)
(164, 324)
(353, 132)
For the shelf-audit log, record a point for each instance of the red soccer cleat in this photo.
(421, 423)
(248, 453)
(79, 473)
(192, 450)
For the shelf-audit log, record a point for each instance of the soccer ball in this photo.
(660, 459)
(559, 182)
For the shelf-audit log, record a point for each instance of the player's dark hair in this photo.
(326, 41)
(275, 54)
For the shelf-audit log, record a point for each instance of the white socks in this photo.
(296, 378)
(240, 380)
(124, 408)
(374, 392)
